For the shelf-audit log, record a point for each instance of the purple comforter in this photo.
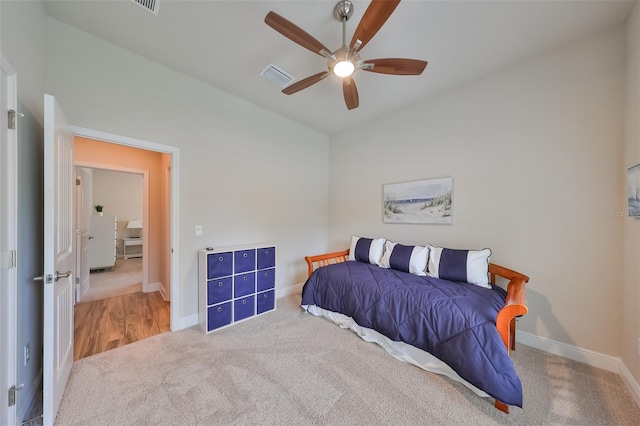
(453, 321)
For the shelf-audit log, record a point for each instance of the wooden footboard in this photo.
(506, 319)
(514, 304)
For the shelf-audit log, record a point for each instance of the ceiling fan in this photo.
(344, 61)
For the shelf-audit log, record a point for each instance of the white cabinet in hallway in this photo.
(102, 241)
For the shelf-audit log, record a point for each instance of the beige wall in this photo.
(122, 195)
(111, 155)
(535, 153)
(247, 175)
(119, 192)
(631, 283)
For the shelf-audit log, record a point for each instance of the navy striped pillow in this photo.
(411, 259)
(368, 250)
(465, 266)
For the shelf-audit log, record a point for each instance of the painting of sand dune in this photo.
(428, 201)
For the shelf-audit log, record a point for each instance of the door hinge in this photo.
(8, 259)
(77, 280)
(12, 393)
(12, 117)
(11, 123)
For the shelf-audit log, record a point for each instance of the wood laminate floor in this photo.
(107, 324)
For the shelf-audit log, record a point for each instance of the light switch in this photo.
(198, 230)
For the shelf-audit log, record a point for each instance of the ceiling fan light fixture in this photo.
(344, 62)
(343, 69)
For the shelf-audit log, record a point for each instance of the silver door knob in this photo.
(58, 275)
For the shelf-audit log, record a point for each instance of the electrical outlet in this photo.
(198, 230)
(27, 353)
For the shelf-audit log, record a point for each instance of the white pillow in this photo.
(368, 250)
(467, 266)
(412, 259)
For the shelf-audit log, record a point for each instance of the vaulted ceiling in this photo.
(227, 44)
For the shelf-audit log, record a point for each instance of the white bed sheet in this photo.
(399, 350)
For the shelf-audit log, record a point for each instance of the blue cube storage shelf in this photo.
(235, 284)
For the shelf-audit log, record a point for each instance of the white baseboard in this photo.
(163, 293)
(184, 322)
(284, 292)
(151, 287)
(592, 358)
(589, 357)
(630, 382)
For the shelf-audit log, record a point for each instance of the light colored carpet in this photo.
(290, 368)
(125, 278)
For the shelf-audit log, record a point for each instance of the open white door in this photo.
(59, 258)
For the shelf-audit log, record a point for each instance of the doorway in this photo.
(140, 239)
(109, 242)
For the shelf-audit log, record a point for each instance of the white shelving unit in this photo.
(235, 284)
(130, 242)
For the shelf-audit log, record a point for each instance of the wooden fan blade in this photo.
(395, 66)
(350, 92)
(373, 19)
(294, 33)
(304, 83)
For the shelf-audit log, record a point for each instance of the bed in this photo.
(462, 331)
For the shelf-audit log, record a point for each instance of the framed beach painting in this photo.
(428, 201)
(633, 190)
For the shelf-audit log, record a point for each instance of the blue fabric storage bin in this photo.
(243, 308)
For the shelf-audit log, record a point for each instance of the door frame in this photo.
(9, 224)
(146, 288)
(174, 248)
(80, 210)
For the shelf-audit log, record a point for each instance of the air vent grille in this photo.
(276, 75)
(149, 5)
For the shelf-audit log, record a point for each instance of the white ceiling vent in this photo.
(276, 75)
(149, 5)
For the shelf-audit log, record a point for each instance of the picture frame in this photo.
(633, 190)
(427, 201)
